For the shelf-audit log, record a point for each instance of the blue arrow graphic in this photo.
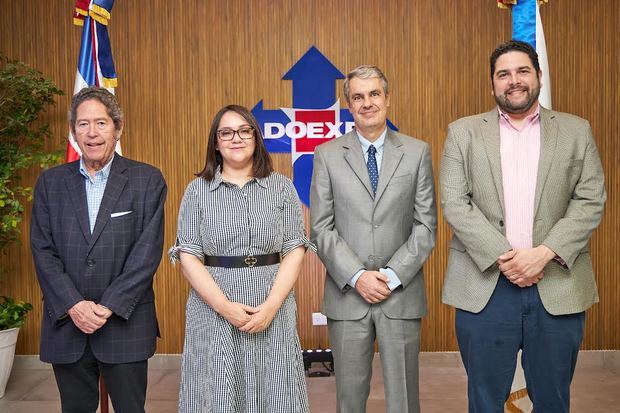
(314, 87)
(263, 116)
(302, 176)
(314, 81)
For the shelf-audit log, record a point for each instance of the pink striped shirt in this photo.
(520, 150)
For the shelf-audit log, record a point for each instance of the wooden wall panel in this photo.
(178, 63)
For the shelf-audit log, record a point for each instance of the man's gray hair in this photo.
(102, 95)
(365, 72)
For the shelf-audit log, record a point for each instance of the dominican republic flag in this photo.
(527, 27)
(95, 65)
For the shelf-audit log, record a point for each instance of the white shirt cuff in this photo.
(393, 281)
(356, 277)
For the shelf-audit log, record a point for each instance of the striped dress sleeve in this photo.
(293, 222)
(189, 238)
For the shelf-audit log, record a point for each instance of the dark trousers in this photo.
(489, 342)
(78, 384)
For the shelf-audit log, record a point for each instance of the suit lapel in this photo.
(355, 158)
(491, 138)
(77, 193)
(113, 189)
(548, 142)
(392, 156)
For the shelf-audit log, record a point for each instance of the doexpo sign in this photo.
(316, 116)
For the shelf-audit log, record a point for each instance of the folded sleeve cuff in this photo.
(174, 253)
(300, 240)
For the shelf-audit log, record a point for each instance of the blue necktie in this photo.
(373, 173)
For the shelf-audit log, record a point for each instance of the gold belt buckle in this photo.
(250, 260)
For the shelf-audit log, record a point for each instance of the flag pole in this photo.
(527, 27)
(95, 68)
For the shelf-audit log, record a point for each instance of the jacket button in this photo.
(90, 262)
(501, 223)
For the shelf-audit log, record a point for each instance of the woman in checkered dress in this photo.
(241, 351)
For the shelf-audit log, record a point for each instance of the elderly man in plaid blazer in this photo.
(97, 238)
(522, 188)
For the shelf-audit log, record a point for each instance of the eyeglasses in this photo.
(245, 133)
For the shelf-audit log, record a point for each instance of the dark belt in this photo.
(242, 261)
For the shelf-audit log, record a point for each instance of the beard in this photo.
(522, 106)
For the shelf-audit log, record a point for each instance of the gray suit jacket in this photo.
(354, 230)
(569, 201)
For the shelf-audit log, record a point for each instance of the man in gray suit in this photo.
(373, 219)
(522, 188)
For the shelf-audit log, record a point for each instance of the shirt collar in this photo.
(378, 144)
(104, 172)
(261, 181)
(217, 180)
(528, 120)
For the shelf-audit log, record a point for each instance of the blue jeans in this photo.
(489, 341)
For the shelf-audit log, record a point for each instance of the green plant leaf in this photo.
(24, 95)
(13, 313)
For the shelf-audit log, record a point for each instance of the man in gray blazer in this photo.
(96, 236)
(522, 188)
(373, 219)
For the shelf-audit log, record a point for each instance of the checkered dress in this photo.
(226, 370)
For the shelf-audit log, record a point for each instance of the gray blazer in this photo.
(354, 230)
(569, 201)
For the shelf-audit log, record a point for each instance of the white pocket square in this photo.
(119, 214)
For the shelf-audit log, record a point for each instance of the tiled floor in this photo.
(596, 386)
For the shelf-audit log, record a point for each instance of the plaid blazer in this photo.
(569, 200)
(113, 266)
